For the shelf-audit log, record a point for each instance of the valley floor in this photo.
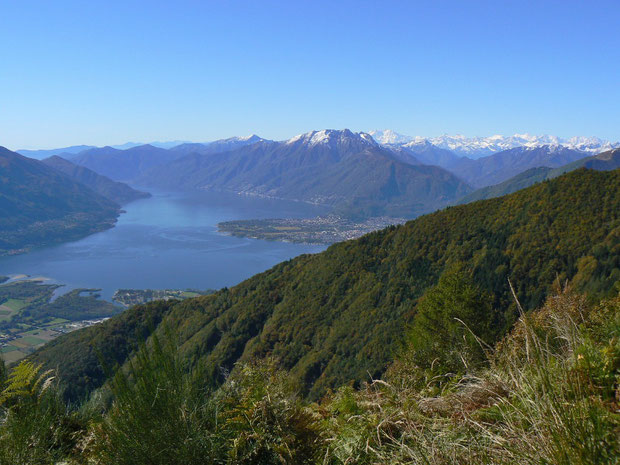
(29, 318)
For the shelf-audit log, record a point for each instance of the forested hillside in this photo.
(40, 206)
(340, 315)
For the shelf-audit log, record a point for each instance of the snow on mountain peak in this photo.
(387, 136)
(246, 138)
(476, 147)
(320, 136)
(329, 136)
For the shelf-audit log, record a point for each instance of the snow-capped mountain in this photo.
(389, 137)
(476, 147)
(252, 138)
(333, 137)
(428, 153)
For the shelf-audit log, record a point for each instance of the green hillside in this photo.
(40, 206)
(339, 315)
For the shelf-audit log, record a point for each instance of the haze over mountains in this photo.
(605, 161)
(115, 191)
(503, 165)
(40, 154)
(123, 165)
(132, 163)
(222, 145)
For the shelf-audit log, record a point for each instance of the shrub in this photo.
(160, 415)
(264, 421)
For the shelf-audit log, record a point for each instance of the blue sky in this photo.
(95, 72)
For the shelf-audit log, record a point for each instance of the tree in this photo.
(454, 321)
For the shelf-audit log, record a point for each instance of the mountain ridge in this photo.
(605, 161)
(39, 205)
(501, 166)
(115, 191)
(476, 147)
(122, 165)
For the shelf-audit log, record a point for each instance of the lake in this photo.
(169, 241)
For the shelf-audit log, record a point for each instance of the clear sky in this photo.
(107, 72)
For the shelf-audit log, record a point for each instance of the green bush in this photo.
(264, 421)
(160, 414)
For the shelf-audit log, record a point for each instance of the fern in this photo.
(25, 381)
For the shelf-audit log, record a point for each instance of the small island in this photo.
(319, 230)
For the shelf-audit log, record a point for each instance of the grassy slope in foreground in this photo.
(338, 315)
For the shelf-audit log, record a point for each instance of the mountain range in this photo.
(40, 154)
(381, 173)
(345, 170)
(218, 146)
(132, 163)
(501, 166)
(605, 161)
(476, 147)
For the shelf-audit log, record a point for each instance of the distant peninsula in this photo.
(319, 230)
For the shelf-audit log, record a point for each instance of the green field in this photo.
(29, 318)
(15, 304)
(27, 341)
(6, 313)
(56, 322)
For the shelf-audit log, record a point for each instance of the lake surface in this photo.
(169, 241)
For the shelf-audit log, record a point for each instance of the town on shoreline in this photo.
(324, 230)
